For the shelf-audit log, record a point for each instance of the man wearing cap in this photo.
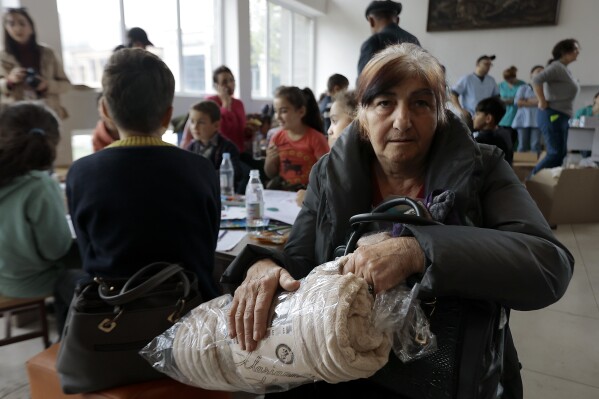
(383, 17)
(474, 87)
(138, 38)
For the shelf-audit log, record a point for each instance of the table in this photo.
(223, 259)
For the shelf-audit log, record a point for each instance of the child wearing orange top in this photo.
(295, 149)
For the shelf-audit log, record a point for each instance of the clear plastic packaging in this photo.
(330, 329)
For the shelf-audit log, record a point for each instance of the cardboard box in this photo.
(570, 198)
(530, 157)
(524, 162)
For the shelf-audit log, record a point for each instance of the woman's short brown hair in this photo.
(395, 65)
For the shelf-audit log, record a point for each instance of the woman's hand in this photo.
(225, 96)
(386, 263)
(43, 85)
(251, 304)
(299, 197)
(16, 75)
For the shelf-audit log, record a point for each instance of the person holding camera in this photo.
(29, 70)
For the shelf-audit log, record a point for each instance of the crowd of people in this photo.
(393, 136)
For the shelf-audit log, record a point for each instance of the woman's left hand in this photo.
(43, 85)
(387, 263)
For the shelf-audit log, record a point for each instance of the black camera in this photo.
(31, 78)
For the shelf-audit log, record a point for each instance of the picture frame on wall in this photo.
(448, 15)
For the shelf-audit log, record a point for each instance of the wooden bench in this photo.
(45, 384)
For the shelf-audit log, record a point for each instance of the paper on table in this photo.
(280, 205)
(228, 239)
(233, 212)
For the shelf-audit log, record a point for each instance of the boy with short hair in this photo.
(121, 198)
(489, 112)
(336, 84)
(204, 124)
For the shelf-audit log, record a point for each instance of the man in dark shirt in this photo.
(383, 17)
(489, 112)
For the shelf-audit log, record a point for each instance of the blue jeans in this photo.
(554, 126)
(529, 139)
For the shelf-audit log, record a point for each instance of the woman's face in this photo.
(18, 27)
(401, 124)
(225, 81)
(339, 121)
(572, 55)
(289, 117)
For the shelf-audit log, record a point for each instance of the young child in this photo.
(489, 112)
(343, 111)
(295, 149)
(335, 84)
(121, 198)
(34, 233)
(204, 122)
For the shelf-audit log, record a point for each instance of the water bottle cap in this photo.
(254, 173)
(226, 155)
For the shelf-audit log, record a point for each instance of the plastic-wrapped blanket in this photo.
(323, 331)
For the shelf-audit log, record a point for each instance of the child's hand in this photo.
(272, 152)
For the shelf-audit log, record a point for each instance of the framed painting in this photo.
(448, 15)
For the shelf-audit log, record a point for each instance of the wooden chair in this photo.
(12, 306)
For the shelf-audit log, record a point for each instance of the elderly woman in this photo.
(498, 247)
(29, 70)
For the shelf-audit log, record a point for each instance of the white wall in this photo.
(344, 28)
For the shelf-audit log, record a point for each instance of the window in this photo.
(183, 32)
(281, 48)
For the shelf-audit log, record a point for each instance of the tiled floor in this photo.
(557, 345)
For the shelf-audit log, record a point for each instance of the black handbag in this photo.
(470, 334)
(110, 320)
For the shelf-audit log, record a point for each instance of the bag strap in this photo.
(127, 295)
(358, 222)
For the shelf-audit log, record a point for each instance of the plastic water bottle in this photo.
(254, 204)
(227, 176)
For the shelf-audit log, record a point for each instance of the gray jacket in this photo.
(500, 249)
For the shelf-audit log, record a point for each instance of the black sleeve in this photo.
(513, 258)
(368, 49)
